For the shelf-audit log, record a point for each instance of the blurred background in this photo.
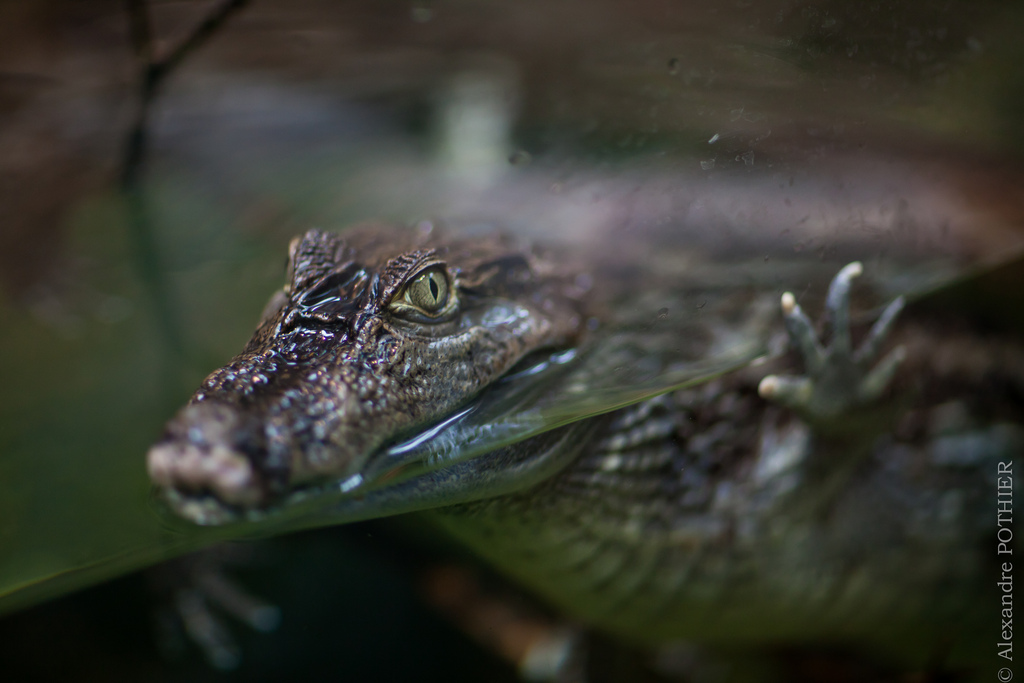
(145, 213)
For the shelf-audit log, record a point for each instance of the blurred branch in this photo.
(155, 68)
(140, 32)
(154, 71)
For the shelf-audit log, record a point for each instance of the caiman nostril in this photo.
(200, 454)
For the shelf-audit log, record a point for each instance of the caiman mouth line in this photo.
(406, 488)
(424, 451)
(203, 507)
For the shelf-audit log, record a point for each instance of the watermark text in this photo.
(1004, 551)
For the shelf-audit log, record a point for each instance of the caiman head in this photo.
(378, 333)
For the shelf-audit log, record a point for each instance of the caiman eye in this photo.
(428, 295)
(428, 291)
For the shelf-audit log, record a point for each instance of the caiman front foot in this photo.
(193, 587)
(838, 378)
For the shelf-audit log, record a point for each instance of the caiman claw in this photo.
(838, 378)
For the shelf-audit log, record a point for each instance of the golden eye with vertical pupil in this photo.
(428, 291)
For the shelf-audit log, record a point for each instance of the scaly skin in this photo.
(708, 513)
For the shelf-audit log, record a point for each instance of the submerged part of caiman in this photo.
(596, 430)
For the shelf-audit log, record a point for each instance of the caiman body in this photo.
(703, 513)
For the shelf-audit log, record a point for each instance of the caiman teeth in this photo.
(203, 510)
(224, 472)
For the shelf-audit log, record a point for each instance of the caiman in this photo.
(709, 469)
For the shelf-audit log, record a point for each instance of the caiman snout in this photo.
(210, 448)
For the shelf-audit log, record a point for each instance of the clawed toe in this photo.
(199, 597)
(838, 378)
